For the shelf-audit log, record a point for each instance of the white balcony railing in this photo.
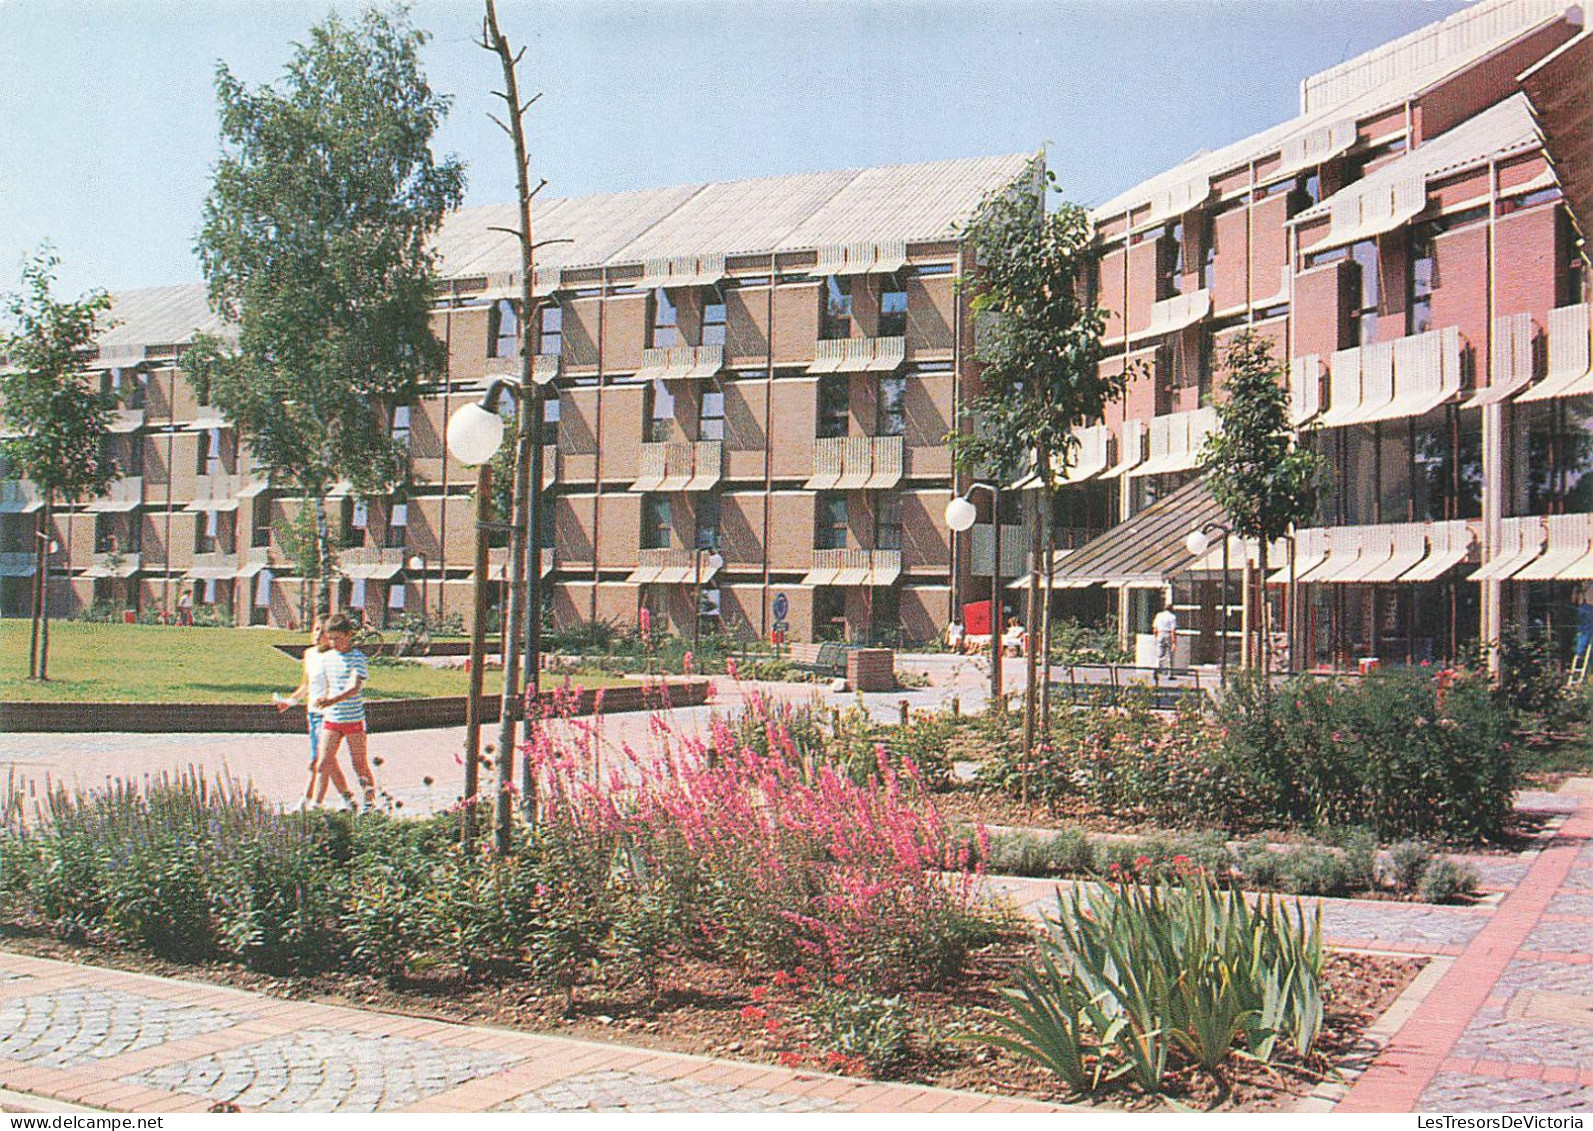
(679, 466)
(854, 567)
(857, 355)
(856, 463)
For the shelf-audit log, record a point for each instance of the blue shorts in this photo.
(314, 718)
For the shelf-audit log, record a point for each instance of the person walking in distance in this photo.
(1166, 628)
(311, 688)
(343, 708)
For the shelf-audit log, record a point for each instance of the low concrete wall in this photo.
(381, 714)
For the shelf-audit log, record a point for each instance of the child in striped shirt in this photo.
(343, 712)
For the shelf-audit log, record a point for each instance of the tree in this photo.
(314, 243)
(1039, 339)
(1258, 472)
(58, 411)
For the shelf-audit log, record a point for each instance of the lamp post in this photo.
(960, 516)
(475, 432)
(417, 562)
(1197, 543)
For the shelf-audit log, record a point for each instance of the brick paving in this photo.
(128, 1042)
(1509, 1026)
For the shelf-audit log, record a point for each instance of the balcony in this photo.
(216, 493)
(681, 363)
(125, 420)
(854, 567)
(856, 463)
(122, 496)
(214, 566)
(674, 567)
(859, 355)
(684, 466)
(1014, 550)
(18, 564)
(20, 496)
(498, 561)
(114, 565)
(370, 563)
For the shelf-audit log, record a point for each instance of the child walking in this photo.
(311, 688)
(343, 712)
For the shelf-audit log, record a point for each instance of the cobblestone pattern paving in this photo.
(1555, 977)
(1460, 1091)
(1494, 1036)
(1538, 801)
(1563, 937)
(1572, 903)
(325, 1070)
(72, 1027)
(1496, 873)
(627, 1090)
(1400, 923)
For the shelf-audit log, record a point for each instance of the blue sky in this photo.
(107, 121)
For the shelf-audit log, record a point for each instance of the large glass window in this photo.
(836, 313)
(656, 523)
(888, 522)
(1208, 255)
(660, 412)
(831, 526)
(503, 330)
(1365, 314)
(711, 414)
(1170, 261)
(713, 318)
(550, 420)
(1423, 279)
(400, 429)
(892, 309)
(663, 330)
(209, 461)
(550, 332)
(834, 407)
(891, 417)
(707, 521)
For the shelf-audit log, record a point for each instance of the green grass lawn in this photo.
(164, 664)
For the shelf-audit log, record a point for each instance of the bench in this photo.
(828, 660)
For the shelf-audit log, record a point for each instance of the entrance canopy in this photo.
(1148, 550)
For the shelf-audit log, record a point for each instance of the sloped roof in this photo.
(1502, 129)
(920, 202)
(1366, 85)
(1147, 549)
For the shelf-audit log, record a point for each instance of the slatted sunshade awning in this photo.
(1148, 549)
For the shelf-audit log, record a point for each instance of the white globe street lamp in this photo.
(474, 434)
(1197, 543)
(960, 514)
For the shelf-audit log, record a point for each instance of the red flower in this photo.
(753, 1013)
(759, 993)
(790, 1059)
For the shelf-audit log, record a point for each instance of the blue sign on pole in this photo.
(780, 606)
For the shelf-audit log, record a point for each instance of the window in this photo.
(830, 532)
(209, 460)
(1313, 188)
(660, 412)
(206, 595)
(1528, 200)
(1208, 255)
(1360, 164)
(359, 521)
(1367, 271)
(893, 309)
(356, 595)
(835, 317)
(1423, 279)
(550, 420)
(550, 331)
(1170, 261)
(888, 522)
(709, 604)
(829, 613)
(397, 593)
(545, 529)
(713, 318)
(663, 331)
(891, 415)
(1206, 378)
(207, 532)
(129, 386)
(834, 407)
(503, 330)
(105, 538)
(397, 526)
(656, 523)
(934, 269)
(708, 521)
(262, 588)
(400, 430)
(711, 415)
(260, 522)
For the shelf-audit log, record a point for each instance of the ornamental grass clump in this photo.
(1133, 979)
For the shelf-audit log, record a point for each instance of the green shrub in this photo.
(1133, 978)
(1447, 881)
(1408, 862)
(854, 1023)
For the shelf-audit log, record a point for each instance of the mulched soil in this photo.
(717, 1010)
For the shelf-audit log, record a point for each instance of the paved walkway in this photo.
(128, 1042)
(1509, 1026)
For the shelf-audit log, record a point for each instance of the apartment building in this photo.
(754, 384)
(1411, 245)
